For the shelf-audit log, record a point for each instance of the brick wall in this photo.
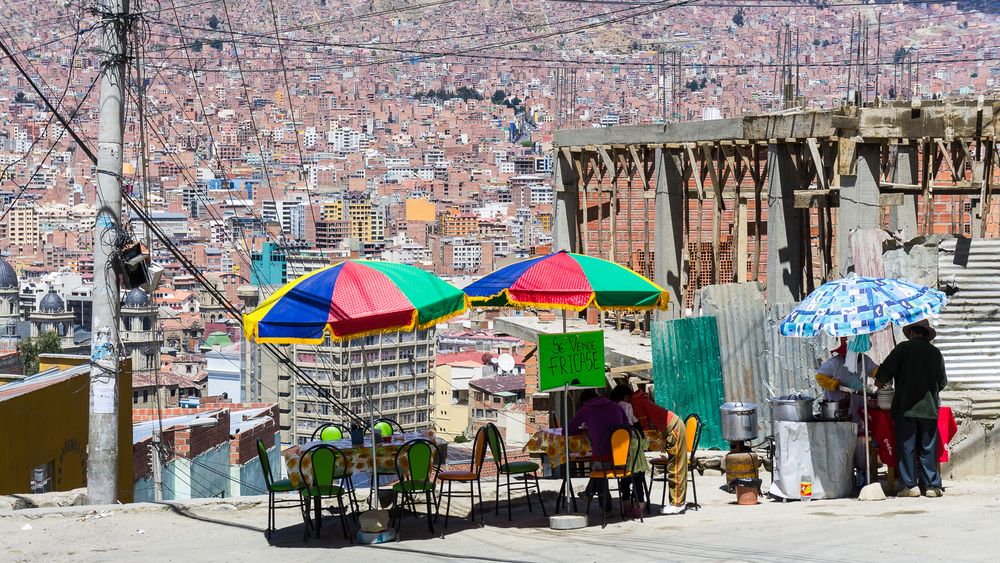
(196, 440)
(143, 415)
(243, 446)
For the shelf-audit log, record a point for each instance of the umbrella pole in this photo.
(373, 492)
(568, 488)
(864, 395)
(565, 409)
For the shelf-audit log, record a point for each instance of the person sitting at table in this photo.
(916, 368)
(653, 416)
(637, 501)
(598, 416)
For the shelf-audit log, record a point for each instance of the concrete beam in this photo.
(813, 124)
(948, 121)
(669, 220)
(685, 132)
(784, 228)
(859, 201)
(804, 199)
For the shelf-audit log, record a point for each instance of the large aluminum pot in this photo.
(739, 421)
(834, 410)
(792, 409)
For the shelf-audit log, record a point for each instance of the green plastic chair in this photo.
(417, 462)
(328, 432)
(331, 432)
(505, 467)
(273, 487)
(387, 427)
(328, 467)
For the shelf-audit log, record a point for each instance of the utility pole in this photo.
(157, 462)
(102, 454)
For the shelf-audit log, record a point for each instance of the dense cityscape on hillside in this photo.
(267, 138)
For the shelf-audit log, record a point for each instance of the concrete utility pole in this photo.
(102, 454)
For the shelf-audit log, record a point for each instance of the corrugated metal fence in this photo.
(687, 373)
(757, 362)
(969, 328)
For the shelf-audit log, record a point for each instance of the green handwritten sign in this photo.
(576, 358)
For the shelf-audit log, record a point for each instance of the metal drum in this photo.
(739, 421)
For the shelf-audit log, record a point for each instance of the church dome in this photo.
(51, 303)
(136, 299)
(8, 277)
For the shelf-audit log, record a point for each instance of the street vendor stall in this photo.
(855, 307)
(818, 452)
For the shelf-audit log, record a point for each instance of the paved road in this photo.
(962, 526)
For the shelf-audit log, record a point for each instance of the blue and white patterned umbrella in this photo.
(855, 305)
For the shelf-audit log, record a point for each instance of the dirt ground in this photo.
(961, 526)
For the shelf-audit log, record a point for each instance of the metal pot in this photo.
(792, 409)
(739, 421)
(833, 410)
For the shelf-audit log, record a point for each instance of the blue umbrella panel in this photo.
(858, 305)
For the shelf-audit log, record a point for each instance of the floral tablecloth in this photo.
(552, 443)
(359, 458)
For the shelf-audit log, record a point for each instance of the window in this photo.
(145, 396)
(135, 397)
(41, 478)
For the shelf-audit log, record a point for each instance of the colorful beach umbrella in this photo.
(351, 299)
(567, 281)
(563, 280)
(858, 305)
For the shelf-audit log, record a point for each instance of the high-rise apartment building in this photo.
(400, 381)
(22, 225)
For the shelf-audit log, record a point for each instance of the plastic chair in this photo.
(498, 450)
(273, 487)
(328, 466)
(472, 477)
(624, 451)
(332, 432)
(329, 432)
(393, 426)
(692, 433)
(416, 463)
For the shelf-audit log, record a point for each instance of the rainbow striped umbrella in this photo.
(563, 280)
(351, 299)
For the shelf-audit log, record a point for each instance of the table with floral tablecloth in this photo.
(359, 457)
(552, 443)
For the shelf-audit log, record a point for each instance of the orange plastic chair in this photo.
(624, 451)
(692, 432)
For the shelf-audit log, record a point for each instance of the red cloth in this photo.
(883, 429)
(650, 415)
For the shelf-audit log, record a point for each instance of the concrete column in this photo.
(903, 218)
(784, 228)
(668, 238)
(859, 201)
(566, 222)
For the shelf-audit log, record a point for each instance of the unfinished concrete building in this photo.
(793, 199)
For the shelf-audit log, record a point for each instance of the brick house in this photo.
(209, 451)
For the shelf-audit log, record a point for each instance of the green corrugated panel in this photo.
(687, 372)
